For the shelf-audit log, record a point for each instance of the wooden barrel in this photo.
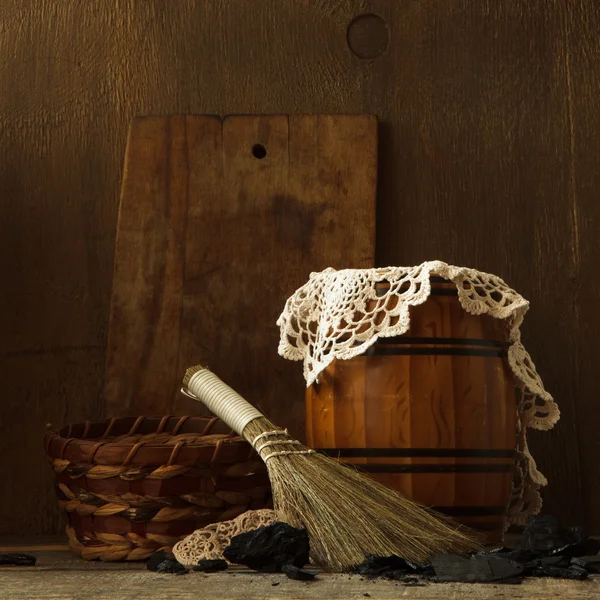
(430, 413)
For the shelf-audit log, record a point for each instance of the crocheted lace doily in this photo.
(327, 319)
(209, 543)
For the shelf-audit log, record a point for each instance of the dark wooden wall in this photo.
(490, 138)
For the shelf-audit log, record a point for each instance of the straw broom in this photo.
(346, 514)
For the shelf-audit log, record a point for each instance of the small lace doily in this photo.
(209, 543)
(328, 318)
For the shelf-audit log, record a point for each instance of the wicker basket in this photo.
(133, 485)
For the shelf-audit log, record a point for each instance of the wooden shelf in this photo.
(60, 575)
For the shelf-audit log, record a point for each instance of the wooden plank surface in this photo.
(213, 237)
(482, 156)
(488, 151)
(59, 575)
(584, 290)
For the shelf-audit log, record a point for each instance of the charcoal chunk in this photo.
(162, 562)
(19, 560)
(543, 534)
(171, 566)
(572, 572)
(389, 567)
(580, 562)
(586, 547)
(425, 571)
(393, 567)
(577, 535)
(520, 556)
(451, 567)
(156, 559)
(537, 566)
(492, 551)
(293, 572)
(590, 564)
(558, 566)
(546, 549)
(211, 565)
(270, 547)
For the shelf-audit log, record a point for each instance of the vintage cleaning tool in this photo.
(347, 514)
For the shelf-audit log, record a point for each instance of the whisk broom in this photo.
(346, 514)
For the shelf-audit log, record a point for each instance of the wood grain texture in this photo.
(64, 386)
(582, 56)
(214, 235)
(489, 127)
(479, 151)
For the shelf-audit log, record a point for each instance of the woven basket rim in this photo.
(92, 441)
(204, 438)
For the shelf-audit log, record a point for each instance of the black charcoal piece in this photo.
(389, 567)
(580, 562)
(155, 560)
(19, 560)
(269, 547)
(591, 564)
(577, 535)
(451, 567)
(293, 572)
(422, 568)
(556, 566)
(535, 567)
(171, 566)
(543, 534)
(275, 583)
(492, 551)
(426, 572)
(520, 556)
(162, 562)
(585, 547)
(211, 565)
(573, 572)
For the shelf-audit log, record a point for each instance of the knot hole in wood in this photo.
(368, 36)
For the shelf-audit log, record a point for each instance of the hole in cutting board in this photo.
(259, 151)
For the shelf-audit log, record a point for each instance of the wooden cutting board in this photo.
(219, 222)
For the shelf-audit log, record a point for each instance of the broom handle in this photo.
(221, 400)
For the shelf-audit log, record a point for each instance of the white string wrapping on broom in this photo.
(271, 443)
(235, 410)
(223, 401)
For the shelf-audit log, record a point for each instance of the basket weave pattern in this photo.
(134, 485)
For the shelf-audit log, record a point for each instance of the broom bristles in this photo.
(347, 514)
